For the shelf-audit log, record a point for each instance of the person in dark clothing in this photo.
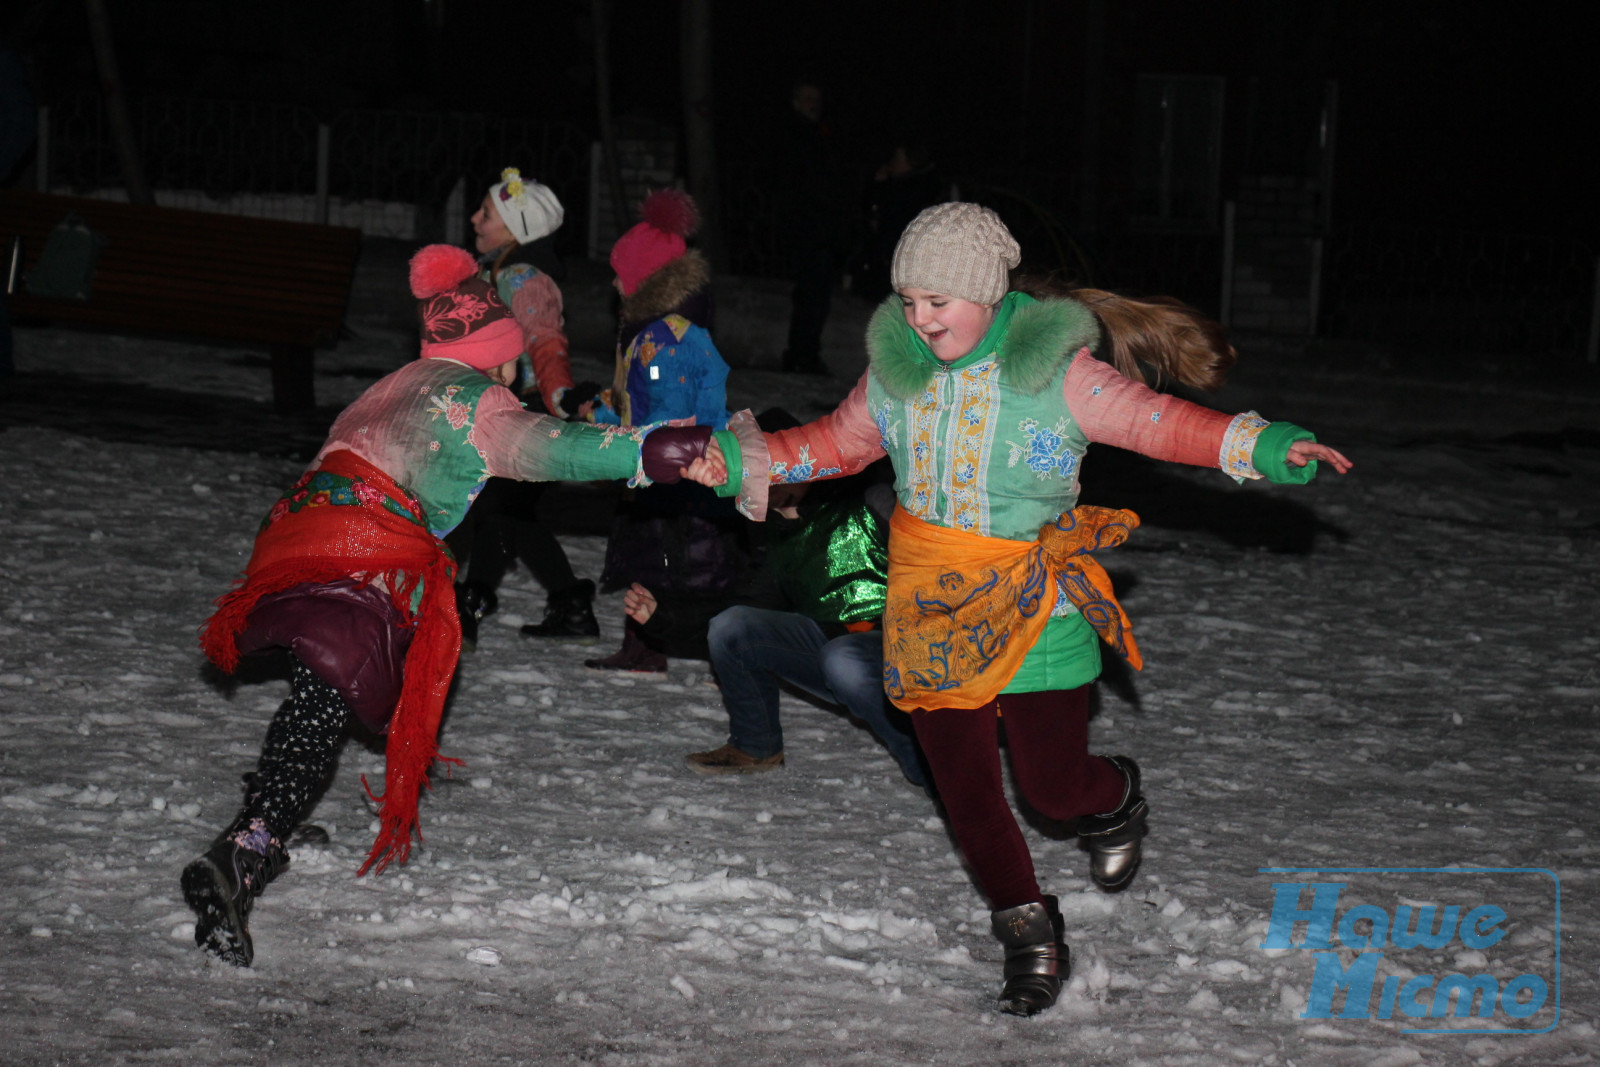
(906, 183)
(18, 127)
(805, 613)
(822, 635)
(811, 213)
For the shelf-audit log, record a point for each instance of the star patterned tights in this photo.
(302, 744)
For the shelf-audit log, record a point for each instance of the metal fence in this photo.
(417, 175)
(412, 175)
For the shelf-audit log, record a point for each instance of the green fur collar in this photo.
(1030, 347)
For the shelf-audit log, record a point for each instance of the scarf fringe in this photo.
(413, 732)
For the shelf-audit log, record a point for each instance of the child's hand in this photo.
(639, 603)
(1303, 452)
(710, 469)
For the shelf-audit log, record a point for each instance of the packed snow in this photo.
(1397, 668)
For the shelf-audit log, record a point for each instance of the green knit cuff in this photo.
(728, 441)
(1272, 452)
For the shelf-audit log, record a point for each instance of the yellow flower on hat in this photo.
(513, 179)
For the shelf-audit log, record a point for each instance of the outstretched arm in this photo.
(841, 442)
(1116, 410)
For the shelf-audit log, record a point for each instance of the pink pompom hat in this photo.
(668, 217)
(462, 316)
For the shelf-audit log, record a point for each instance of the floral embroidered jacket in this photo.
(441, 429)
(992, 443)
(673, 371)
(535, 301)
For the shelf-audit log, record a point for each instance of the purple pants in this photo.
(1047, 735)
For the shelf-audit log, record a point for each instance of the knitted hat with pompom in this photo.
(960, 250)
(461, 314)
(669, 216)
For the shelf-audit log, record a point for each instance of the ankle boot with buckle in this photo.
(1114, 838)
(1037, 960)
(222, 885)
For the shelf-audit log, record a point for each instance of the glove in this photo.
(576, 396)
(668, 449)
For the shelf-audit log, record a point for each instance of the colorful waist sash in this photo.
(965, 609)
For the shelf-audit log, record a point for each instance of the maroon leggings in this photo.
(1048, 737)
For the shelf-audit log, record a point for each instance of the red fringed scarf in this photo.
(307, 539)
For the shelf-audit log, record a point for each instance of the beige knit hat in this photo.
(960, 250)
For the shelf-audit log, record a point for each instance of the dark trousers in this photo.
(1047, 735)
(7, 365)
(503, 526)
(812, 270)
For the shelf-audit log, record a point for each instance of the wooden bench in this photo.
(196, 274)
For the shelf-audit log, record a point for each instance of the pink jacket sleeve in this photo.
(538, 310)
(841, 442)
(1115, 410)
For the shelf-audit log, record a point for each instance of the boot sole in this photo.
(571, 639)
(219, 929)
(715, 769)
(1033, 993)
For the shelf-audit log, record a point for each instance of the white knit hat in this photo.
(529, 210)
(960, 250)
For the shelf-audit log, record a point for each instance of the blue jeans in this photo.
(753, 649)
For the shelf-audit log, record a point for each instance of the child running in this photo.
(986, 399)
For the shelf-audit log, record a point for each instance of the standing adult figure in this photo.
(513, 232)
(986, 399)
(18, 128)
(350, 573)
(812, 224)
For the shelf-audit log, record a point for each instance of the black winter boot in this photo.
(222, 885)
(569, 613)
(1114, 839)
(474, 603)
(1037, 961)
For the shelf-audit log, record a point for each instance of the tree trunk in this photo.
(699, 133)
(608, 134)
(105, 56)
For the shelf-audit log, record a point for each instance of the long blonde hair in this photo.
(1152, 339)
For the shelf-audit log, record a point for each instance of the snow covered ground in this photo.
(1393, 669)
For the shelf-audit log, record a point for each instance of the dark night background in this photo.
(1454, 212)
(1445, 119)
